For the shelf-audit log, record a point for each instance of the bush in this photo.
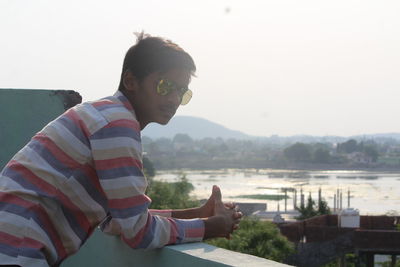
(148, 168)
(258, 238)
(171, 195)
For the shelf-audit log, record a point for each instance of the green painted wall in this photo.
(23, 112)
(103, 250)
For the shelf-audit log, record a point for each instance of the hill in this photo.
(196, 128)
(199, 128)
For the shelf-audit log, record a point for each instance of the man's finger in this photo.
(237, 215)
(230, 205)
(216, 191)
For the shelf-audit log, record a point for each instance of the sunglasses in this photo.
(165, 87)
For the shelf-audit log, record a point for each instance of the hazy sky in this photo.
(264, 67)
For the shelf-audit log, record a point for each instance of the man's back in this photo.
(52, 199)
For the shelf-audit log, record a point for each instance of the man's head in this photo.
(155, 78)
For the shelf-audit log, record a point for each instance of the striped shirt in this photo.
(84, 169)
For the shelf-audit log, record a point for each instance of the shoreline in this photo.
(258, 164)
(292, 168)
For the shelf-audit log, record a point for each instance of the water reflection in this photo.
(371, 192)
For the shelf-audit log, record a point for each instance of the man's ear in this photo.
(130, 82)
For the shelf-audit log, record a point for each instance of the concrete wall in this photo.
(24, 112)
(102, 250)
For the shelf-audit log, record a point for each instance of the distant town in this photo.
(182, 151)
(196, 143)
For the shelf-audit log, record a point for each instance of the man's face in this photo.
(150, 105)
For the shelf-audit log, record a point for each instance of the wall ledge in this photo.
(105, 250)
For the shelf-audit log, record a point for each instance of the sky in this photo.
(283, 67)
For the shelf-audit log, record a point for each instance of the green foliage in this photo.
(321, 155)
(171, 195)
(182, 138)
(369, 148)
(210, 153)
(257, 238)
(371, 152)
(168, 195)
(298, 152)
(347, 147)
(311, 209)
(311, 153)
(323, 208)
(307, 211)
(148, 168)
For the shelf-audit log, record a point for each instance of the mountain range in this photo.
(199, 128)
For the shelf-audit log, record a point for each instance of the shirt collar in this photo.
(125, 101)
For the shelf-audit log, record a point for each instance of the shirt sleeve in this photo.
(117, 154)
(163, 213)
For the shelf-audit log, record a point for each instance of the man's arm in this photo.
(117, 159)
(225, 219)
(219, 218)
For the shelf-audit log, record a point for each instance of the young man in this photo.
(84, 170)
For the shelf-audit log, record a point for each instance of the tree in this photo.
(258, 238)
(171, 195)
(347, 147)
(168, 195)
(307, 211)
(311, 209)
(182, 138)
(323, 207)
(164, 145)
(321, 155)
(146, 140)
(148, 168)
(371, 152)
(298, 152)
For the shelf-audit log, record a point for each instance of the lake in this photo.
(372, 193)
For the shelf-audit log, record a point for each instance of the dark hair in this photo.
(154, 54)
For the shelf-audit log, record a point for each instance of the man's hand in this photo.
(225, 218)
(208, 208)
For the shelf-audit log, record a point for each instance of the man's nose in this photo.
(175, 97)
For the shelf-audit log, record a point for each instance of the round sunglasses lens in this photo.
(162, 88)
(186, 97)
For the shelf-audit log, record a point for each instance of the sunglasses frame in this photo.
(165, 87)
